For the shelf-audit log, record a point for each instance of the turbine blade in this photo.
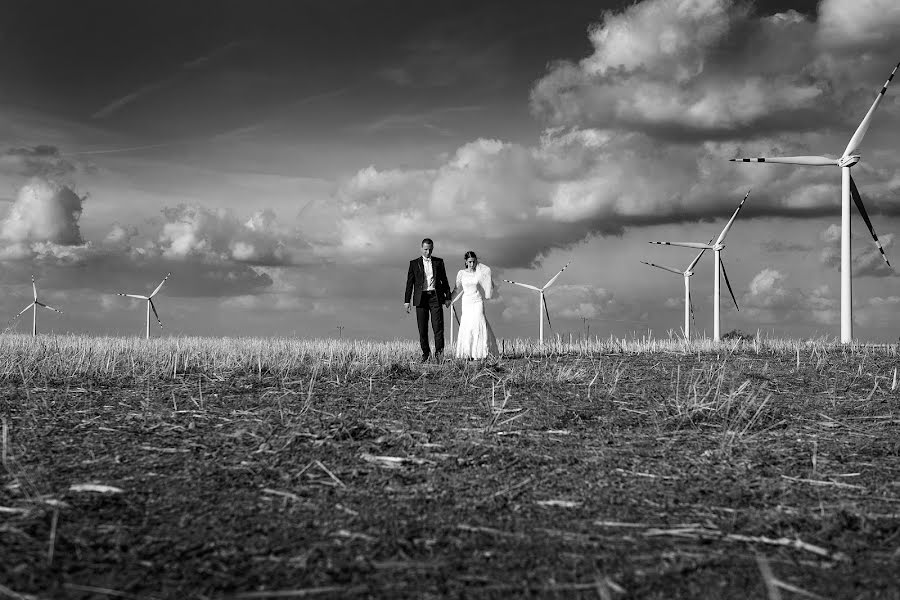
(728, 283)
(857, 138)
(854, 193)
(546, 311)
(728, 225)
(48, 307)
(810, 161)
(663, 267)
(132, 296)
(691, 304)
(685, 245)
(34, 287)
(160, 285)
(21, 312)
(458, 296)
(555, 277)
(524, 285)
(697, 259)
(156, 314)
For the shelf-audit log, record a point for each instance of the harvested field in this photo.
(241, 469)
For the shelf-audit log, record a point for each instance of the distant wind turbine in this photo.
(542, 307)
(33, 306)
(848, 190)
(719, 266)
(150, 305)
(687, 274)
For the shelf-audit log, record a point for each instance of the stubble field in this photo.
(188, 468)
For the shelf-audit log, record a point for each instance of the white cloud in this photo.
(769, 300)
(640, 133)
(570, 301)
(218, 235)
(685, 67)
(44, 211)
(862, 23)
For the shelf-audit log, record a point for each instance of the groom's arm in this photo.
(444, 282)
(410, 280)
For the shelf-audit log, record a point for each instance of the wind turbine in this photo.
(848, 190)
(33, 306)
(456, 316)
(542, 308)
(687, 274)
(718, 245)
(150, 305)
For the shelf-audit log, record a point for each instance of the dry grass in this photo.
(68, 357)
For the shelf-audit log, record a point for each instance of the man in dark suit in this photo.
(428, 289)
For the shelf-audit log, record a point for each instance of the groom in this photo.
(428, 288)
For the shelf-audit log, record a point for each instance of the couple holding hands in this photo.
(428, 290)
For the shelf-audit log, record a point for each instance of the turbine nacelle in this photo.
(848, 161)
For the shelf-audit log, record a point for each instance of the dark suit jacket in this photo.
(415, 281)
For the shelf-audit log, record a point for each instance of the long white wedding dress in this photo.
(475, 339)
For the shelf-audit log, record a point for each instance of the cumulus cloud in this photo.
(769, 300)
(681, 68)
(861, 24)
(566, 302)
(639, 133)
(191, 231)
(209, 252)
(44, 211)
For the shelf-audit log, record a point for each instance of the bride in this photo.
(475, 340)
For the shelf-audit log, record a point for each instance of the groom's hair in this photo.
(427, 241)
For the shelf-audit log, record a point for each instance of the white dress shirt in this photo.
(429, 275)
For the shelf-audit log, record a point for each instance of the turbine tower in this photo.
(456, 316)
(848, 190)
(150, 304)
(687, 274)
(35, 303)
(718, 266)
(542, 307)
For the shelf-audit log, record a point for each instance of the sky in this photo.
(283, 161)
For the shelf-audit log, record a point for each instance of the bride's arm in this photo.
(456, 286)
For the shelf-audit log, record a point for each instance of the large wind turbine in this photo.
(542, 308)
(848, 189)
(150, 305)
(687, 274)
(33, 306)
(718, 245)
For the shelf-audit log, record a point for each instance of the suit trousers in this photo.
(430, 306)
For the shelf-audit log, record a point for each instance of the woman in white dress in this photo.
(475, 339)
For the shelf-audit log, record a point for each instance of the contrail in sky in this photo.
(131, 148)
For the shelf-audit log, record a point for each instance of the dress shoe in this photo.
(424, 358)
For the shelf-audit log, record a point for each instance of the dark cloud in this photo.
(781, 247)
(717, 70)
(41, 161)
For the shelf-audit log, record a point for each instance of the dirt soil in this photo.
(618, 476)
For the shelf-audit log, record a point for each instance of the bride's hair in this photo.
(471, 254)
